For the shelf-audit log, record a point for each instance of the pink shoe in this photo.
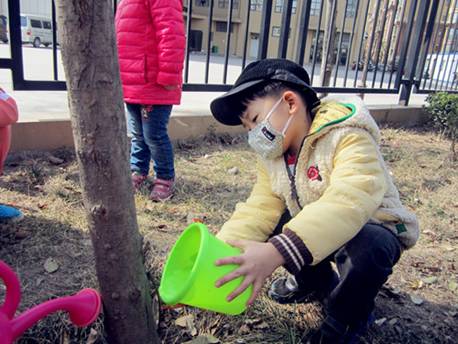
(137, 180)
(162, 190)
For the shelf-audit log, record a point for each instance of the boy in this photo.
(323, 193)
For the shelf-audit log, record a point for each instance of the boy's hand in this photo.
(257, 262)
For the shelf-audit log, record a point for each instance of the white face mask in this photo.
(265, 139)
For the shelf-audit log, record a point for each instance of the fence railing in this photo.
(381, 46)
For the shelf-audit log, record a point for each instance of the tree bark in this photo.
(90, 61)
(328, 44)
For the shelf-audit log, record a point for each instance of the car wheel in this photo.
(36, 42)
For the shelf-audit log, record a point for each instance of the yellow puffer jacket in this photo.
(340, 183)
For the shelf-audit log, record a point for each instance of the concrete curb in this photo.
(48, 135)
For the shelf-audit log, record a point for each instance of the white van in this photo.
(36, 30)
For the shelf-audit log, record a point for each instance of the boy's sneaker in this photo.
(9, 214)
(137, 180)
(162, 190)
(332, 332)
(286, 290)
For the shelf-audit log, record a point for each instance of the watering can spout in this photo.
(83, 309)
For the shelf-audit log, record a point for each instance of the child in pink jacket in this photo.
(8, 116)
(151, 45)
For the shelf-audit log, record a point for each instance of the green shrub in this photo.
(443, 111)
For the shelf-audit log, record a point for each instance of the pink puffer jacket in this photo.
(151, 47)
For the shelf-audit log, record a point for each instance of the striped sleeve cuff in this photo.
(293, 250)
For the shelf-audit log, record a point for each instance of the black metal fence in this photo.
(382, 46)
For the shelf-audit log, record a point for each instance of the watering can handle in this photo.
(13, 290)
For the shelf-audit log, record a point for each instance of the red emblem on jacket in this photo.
(313, 173)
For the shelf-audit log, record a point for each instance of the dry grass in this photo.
(55, 227)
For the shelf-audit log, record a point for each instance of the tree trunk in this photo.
(328, 44)
(90, 61)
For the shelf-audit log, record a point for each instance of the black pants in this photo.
(364, 264)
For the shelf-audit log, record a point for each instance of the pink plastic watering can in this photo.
(83, 308)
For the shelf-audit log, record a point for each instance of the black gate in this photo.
(422, 34)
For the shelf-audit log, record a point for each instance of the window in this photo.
(35, 23)
(256, 5)
(47, 25)
(225, 4)
(315, 7)
(350, 11)
(202, 3)
(23, 21)
(279, 6)
(275, 31)
(221, 26)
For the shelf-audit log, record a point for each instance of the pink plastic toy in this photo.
(83, 308)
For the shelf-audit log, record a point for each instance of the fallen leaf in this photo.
(188, 322)
(42, 205)
(51, 265)
(262, 325)
(380, 321)
(244, 329)
(21, 234)
(198, 340)
(252, 321)
(452, 285)
(211, 339)
(430, 280)
(203, 339)
(233, 171)
(183, 321)
(417, 300)
(417, 284)
(240, 341)
(55, 160)
(393, 321)
(93, 336)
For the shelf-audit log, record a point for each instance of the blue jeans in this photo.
(150, 140)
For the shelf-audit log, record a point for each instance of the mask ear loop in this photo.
(287, 125)
(273, 109)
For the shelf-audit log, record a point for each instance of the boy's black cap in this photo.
(228, 108)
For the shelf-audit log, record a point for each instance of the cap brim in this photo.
(228, 107)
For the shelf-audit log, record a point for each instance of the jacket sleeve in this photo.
(8, 109)
(168, 23)
(356, 189)
(256, 218)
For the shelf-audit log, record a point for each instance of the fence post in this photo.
(265, 29)
(303, 31)
(426, 44)
(284, 31)
(409, 56)
(16, 43)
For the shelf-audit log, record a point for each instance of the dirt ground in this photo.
(418, 305)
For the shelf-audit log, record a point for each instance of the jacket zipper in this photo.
(291, 175)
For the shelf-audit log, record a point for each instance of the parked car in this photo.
(36, 30)
(370, 66)
(3, 29)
